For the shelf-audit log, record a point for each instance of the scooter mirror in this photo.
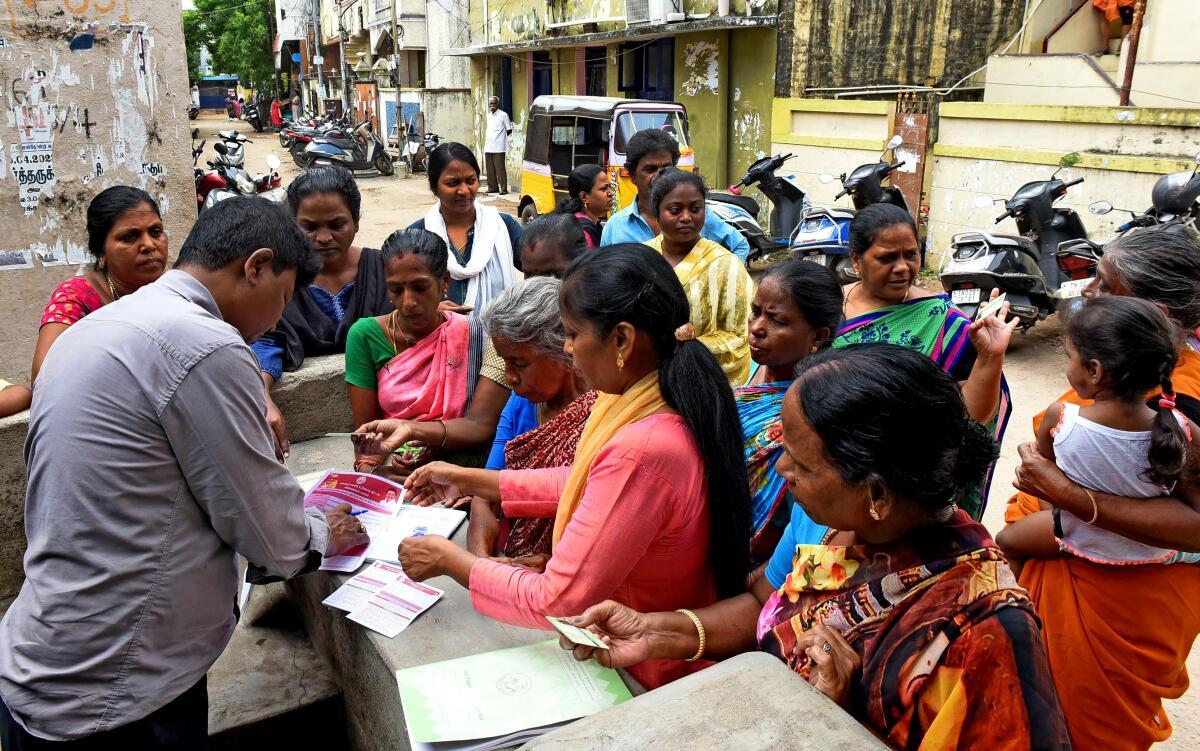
(895, 141)
(1100, 208)
(826, 178)
(273, 162)
(983, 202)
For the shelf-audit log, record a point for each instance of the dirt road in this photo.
(1034, 369)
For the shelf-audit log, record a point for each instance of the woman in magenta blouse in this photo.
(635, 519)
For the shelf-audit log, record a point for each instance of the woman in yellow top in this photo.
(718, 288)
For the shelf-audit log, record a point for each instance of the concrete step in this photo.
(1108, 63)
(270, 689)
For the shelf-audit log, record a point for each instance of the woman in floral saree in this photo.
(796, 310)
(887, 306)
(907, 615)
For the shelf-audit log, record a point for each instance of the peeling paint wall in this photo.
(752, 92)
(94, 94)
(702, 86)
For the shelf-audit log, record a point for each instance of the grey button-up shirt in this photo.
(150, 464)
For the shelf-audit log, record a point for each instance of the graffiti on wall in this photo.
(700, 63)
(78, 117)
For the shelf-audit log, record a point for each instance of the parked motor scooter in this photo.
(1046, 266)
(362, 152)
(300, 138)
(1175, 202)
(251, 116)
(823, 233)
(419, 149)
(788, 202)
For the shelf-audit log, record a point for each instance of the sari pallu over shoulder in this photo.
(760, 409)
(938, 330)
(435, 378)
(951, 655)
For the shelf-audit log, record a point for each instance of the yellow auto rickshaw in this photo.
(565, 132)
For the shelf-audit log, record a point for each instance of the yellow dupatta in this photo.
(719, 292)
(610, 413)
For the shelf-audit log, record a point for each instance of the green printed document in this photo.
(512, 694)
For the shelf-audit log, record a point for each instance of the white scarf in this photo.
(490, 270)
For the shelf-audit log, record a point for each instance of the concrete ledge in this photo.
(749, 702)
(313, 401)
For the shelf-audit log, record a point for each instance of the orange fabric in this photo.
(1118, 636)
(1111, 8)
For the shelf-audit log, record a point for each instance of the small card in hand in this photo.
(991, 307)
(577, 635)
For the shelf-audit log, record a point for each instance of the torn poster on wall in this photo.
(79, 116)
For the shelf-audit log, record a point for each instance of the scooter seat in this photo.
(1003, 241)
(341, 143)
(744, 202)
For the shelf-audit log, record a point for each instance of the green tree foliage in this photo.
(239, 36)
(193, 38)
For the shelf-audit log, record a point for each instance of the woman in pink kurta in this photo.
(635, 519)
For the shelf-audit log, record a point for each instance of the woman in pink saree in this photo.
(422, 364)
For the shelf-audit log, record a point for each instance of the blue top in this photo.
(269, 349)
(458, 287)
(519, 416)
(628, 226)
(800, 531)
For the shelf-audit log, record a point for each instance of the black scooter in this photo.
(788, 202)
(1175, 202)
(362, 152)
(1046, 266)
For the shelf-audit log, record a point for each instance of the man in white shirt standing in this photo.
(499, 128)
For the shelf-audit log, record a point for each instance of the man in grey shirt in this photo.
(151, 466)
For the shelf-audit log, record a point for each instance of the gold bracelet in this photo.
(699, 629)
(1095, 508)
(445, 434)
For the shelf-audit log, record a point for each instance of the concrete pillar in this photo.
(95, 94)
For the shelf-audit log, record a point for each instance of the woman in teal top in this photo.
(795, 312)
(421, 364)
(887, 306)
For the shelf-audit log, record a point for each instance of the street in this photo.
(1034, 366)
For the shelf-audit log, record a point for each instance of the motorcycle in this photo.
(251, 116)
(299, 137)
(788, 202)
(1042, 270)
(226, 176)
(417, 150)
(1175, 202)
(823, 233)
(362, 152)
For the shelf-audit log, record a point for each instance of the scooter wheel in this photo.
(384, 164)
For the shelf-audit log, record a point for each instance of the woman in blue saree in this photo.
(887, 306)
(795, 312)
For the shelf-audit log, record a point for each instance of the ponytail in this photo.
(1168, 437)
(581, 180)
(693, 384)
(631, 283)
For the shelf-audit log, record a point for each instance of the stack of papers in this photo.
(502, 698)
(379, 504)
(383, 599)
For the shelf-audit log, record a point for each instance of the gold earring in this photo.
(874, 512)
(814, 349)
(620, 362)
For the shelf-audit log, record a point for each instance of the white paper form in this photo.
(390, 610)
(358, 590)
(409, 520)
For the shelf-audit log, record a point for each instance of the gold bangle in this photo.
(445, 434)
(699, 629)
(1095, 508)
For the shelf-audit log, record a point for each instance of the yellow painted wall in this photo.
(992, 150)
(752, 91)
(702, 86)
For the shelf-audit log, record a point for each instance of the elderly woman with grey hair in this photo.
(542, 422)
(1104, 695)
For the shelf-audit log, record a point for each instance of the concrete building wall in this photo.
(985, 149)
(92, 98)
(875, 42)
(828, 136)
